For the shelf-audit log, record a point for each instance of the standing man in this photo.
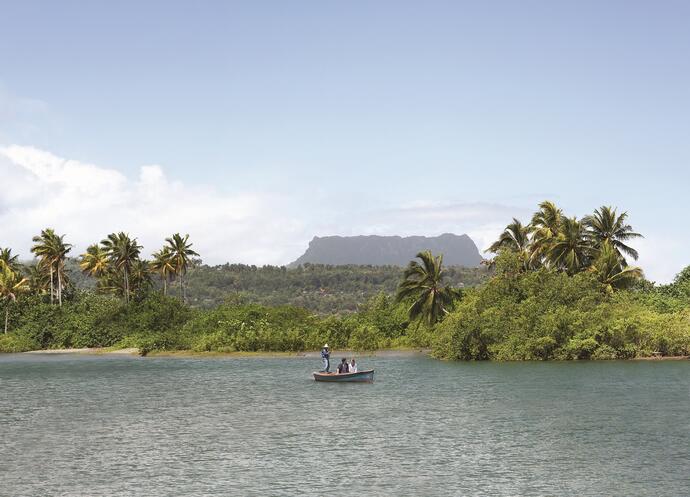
(325, 357)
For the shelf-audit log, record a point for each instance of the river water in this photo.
(111, 426)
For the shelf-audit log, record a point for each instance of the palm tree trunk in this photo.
(184, 290)
(59, 287)
(165, 285)
(52, 291)
(126, 286)
(7, 316)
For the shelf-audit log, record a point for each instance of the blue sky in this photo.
(316, 118)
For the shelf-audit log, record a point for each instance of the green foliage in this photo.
(596, 243)
(320, 288)
(17, 342)
(545, 314)
(422, 288)
(93, 320)
(365, 337)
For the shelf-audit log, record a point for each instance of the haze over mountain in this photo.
(457, 250)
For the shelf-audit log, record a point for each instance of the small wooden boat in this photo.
(360, 376)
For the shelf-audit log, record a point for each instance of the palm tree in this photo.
(94, 262)
(39, 280)
(514, 237)
(122, 253)
(11, 285)
(140, 276)
(545, 225)
(570, 250)
(9, 260)
(611, 271)
(181, 252)
(422, 283)
(163, 263)
(607, 226)
(51, 250)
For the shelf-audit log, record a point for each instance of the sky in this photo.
(255, 126)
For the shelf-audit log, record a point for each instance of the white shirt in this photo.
(353, 368)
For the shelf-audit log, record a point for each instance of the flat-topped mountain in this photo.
(457, 250)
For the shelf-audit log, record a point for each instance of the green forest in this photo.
(557, 288)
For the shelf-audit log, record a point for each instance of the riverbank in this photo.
(87, 350)
(262, 354)
(416, 352)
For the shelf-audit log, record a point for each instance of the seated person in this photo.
(353, 366)
(343, 367)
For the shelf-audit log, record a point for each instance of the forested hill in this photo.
(320, 288)
(457, 250)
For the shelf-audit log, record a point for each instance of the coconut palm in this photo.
(611, 271)
(422, 284)
(514, 237)
(182, 253)
(140, 276)
(122, 252)
(164, 265)
(9, 260)
(52, 251)
(94, 262)
(11, 285)
(570, 251)
(39, 279)
(545, 225)
(607, 226)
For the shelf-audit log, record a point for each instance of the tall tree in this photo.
(181, 253)
(514, 237)
(140, 278)
(11, 285)
(39, 279)
(423, 284)
(9, 260)
(605, 225)
(570, 251)
(545, 226)
(611, 271)
(123, 252)
(52, 251)
(94, 262)
(163, 264)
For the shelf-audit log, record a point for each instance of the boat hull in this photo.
(358, 377)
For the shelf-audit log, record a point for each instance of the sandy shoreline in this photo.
(191, 353)
(91, 350)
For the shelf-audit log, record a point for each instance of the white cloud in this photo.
(86, 202)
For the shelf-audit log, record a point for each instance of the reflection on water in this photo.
(93, 426)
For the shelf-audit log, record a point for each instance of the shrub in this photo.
(17, 342)
(365, 337)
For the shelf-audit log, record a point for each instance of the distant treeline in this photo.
(324, 289)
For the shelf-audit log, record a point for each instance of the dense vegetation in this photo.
(559, 288)
(563, 289)
(545, 314)
(320, 288)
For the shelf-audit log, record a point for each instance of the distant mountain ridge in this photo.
(457, 250)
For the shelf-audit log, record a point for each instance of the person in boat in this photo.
(343, 367)
(353, 366)
(326, 358)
